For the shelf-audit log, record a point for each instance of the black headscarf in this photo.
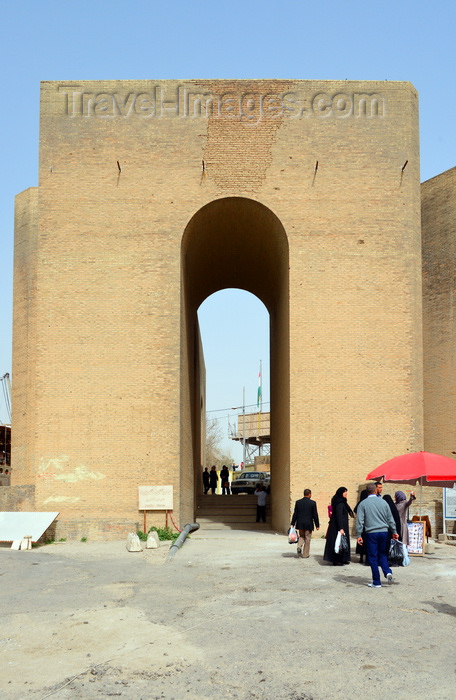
(339, 498)
(394, 512)
(362, 497)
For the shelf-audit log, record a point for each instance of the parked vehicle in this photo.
(246, 481)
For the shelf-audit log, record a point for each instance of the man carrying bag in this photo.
(374, 517)
(305, 516)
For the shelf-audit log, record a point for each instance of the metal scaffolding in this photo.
(253, 431)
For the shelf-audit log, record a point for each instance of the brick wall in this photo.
(439, 331)
(141, 212)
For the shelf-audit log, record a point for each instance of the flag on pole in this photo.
(259, 402)
(259, 397)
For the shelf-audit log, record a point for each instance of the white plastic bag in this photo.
(292, 535)
(406, 556)
(337, 543)
(398, 554)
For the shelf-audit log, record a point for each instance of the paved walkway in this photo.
(233, 615)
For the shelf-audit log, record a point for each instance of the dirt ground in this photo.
(233, 615)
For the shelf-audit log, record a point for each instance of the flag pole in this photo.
(259, 402)
(243, 427)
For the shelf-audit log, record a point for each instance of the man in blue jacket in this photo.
(305, 515)
(374, 517)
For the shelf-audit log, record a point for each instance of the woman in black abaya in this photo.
(361, 548)
(397, 520)
(338, 523)
(394, 513)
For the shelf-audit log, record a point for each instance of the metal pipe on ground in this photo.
(181, 539)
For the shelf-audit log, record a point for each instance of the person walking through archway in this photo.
(305, 517)
(261, 494)
(213, 479)
(225, 480)
(338, 524)
(206, 480)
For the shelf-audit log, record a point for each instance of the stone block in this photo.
(133, 542)
(152, 540)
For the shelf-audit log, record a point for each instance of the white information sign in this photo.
(155, 497)
(449, 504)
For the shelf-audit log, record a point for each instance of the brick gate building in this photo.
(153, 195)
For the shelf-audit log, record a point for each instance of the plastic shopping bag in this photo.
(344, 544)
(292, 535)
(398, 553)
(395, 554)
(337, 543)
(406, 556)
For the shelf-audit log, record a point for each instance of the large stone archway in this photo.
(153, 195)
(238, 242)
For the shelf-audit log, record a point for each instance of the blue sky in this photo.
(156, 40)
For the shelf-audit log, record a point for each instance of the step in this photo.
(237, 512)
(246, 516)
(228, 502)
(212, 525)
(232, 518)
(231, 497)
(221, 514)
(226, 511)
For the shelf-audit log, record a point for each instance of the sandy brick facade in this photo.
(153, 195)
(439, 329)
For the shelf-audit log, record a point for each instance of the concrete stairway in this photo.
(217, 512)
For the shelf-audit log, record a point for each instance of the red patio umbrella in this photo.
(426, 468)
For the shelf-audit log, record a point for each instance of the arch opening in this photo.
(235, 242)
(234, 326)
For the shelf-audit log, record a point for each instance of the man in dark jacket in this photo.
(305, 516)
